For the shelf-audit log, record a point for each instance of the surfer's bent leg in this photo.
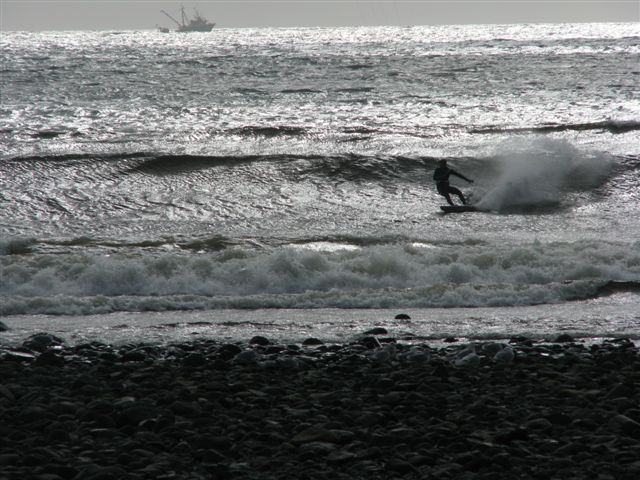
(457, 192)
(449, 201)
(444, 189)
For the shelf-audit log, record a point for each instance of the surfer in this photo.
(441, 176)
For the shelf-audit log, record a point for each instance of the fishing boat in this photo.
(196, 24)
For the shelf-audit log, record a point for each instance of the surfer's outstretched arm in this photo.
(453, 172)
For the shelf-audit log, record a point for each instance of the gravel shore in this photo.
(373, 409)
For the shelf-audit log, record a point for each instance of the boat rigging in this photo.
(196, 24)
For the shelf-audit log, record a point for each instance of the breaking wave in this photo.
(378, 276)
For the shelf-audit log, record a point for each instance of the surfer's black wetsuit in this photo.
(441, 176)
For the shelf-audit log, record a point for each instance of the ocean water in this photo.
(279, 182)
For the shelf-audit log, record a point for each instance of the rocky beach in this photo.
(376, 408)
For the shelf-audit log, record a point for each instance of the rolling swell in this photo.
(74, 157)
(348, 167)
(611, 126)
(275, 131)
(213, 243)
(612, 287)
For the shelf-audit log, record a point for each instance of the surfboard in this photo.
(458, 208)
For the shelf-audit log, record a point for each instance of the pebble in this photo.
(363, 410)
(49, 358)
(376, 331)
(564, 338)
(247, 357)
(42, 341)
(259, 340)
(504, 356)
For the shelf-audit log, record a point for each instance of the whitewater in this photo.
(279, 181)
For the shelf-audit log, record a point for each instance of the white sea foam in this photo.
(369, 277)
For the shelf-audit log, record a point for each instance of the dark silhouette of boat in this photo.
(196, 24)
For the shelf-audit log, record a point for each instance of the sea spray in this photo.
(536, 172)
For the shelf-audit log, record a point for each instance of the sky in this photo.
(36, 15)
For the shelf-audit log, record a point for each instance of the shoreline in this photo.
(612, 317)
(372, 408)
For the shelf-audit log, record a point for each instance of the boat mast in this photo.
(177, 22)
(184, 15)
